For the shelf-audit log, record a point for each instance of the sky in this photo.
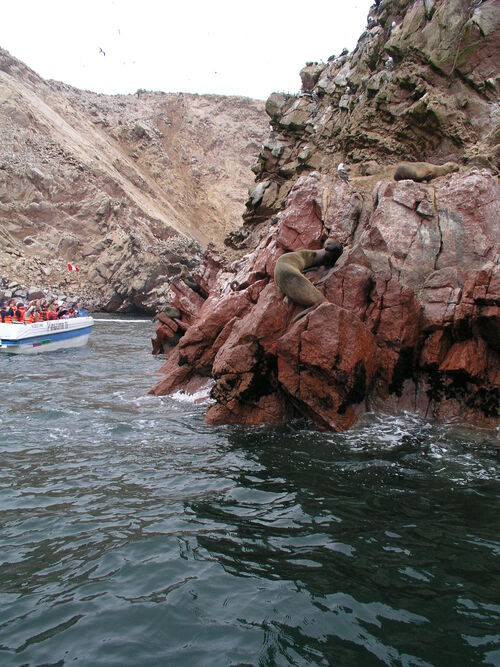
(229, 47)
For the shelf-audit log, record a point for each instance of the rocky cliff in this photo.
(127, 187)
(411, 318)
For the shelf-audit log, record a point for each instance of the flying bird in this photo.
(101, 51)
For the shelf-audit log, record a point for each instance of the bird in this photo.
(342, 172)
(101, 51)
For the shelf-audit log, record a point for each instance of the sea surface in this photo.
(134, 534)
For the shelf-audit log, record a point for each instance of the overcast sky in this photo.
(231, 47)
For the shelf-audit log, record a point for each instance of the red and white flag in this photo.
(72, 267)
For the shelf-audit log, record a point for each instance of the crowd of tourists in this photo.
(17, 312)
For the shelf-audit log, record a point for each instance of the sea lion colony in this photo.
(289, 267)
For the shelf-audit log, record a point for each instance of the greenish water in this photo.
(134, 534)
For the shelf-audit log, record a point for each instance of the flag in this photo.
(72, 267)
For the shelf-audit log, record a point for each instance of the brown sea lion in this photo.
(423, 171)
(288, 273)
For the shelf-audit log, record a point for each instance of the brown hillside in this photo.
(119, 185)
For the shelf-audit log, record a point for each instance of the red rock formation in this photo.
(412, 317)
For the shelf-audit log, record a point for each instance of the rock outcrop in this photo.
(412, 318)
(130, 188)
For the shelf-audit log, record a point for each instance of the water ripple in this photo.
(133, 533)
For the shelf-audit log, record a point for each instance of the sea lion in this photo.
(288, 273)
(423, 171)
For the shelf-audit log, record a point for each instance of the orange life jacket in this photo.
(31, 318)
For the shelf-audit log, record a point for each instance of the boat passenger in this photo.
(28, 311)
(7, 313)
(29, 314)
(19, 313)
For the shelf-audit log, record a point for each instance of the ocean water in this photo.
(134, 534)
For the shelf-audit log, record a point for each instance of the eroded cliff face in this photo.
(412, 317)
(128, 187)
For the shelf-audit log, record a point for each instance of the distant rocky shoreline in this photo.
(10, 289)
(128, 188)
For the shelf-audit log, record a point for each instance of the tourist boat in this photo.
(18, 338)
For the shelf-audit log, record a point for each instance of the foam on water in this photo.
(202, 396)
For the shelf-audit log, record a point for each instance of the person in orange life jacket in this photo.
(44, 308)
(20, 312)
(29, 315)
(52, 313)
(7, 313)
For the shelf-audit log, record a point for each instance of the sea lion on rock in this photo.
(288, 273)
(423, 171)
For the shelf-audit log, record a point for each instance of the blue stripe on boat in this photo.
(49, 337)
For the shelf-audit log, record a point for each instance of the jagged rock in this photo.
(369, 168)
(309, 75)
(276, 104)
(35, 294)
(411, 318)
(412, 302)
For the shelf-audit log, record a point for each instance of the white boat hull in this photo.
(45, 336)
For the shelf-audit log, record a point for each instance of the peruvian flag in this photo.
(72, 267)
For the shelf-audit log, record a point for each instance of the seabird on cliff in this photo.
(342, 172)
